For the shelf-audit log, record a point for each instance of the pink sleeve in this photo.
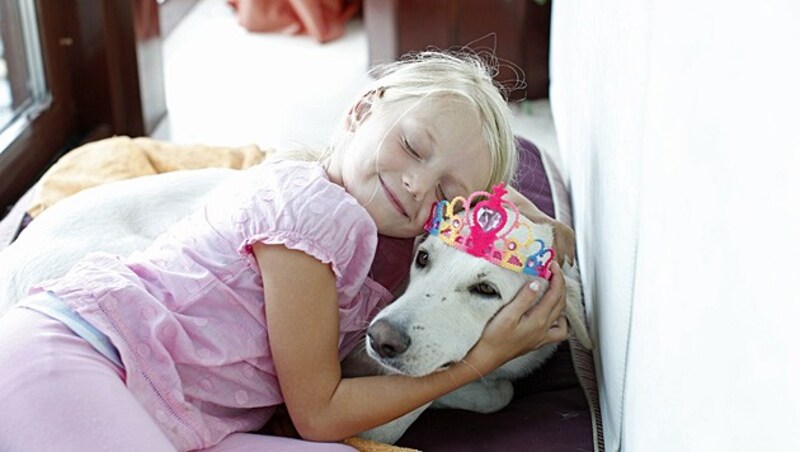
(295, 205)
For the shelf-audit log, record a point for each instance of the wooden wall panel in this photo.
(517, 31)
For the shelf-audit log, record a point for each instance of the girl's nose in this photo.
(419, 183)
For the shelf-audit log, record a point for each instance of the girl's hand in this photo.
(523, 325)
(564, 236)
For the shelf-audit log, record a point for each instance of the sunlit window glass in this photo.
(23, 91)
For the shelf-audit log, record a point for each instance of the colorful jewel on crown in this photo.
(485, 230)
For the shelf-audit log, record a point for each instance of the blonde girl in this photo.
(252, 301)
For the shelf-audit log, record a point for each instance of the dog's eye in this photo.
(422, 259)
(484, 290)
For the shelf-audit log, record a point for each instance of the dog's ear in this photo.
(575, 315)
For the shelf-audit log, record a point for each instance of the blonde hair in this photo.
(464, 74)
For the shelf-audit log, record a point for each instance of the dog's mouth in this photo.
(393, 366)
(402, 369)
(401, 366)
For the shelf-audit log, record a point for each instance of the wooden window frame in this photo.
(25, 158)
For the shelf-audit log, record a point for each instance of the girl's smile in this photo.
(393, 199)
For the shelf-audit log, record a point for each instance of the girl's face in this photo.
(407, 155)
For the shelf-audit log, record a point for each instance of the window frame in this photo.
(47, 130)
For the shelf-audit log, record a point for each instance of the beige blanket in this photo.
(123, 157)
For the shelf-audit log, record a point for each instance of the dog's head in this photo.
(451, 297)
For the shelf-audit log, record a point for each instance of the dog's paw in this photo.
(390, 432)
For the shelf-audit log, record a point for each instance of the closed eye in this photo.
(410, 150)
(484, 290)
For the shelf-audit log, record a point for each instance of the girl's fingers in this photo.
(552, 303)
(525, 324)
(554, 300)
(522, 302)
(544, 319)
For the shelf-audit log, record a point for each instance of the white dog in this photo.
(450, 297)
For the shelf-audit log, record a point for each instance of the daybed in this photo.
(555, 409)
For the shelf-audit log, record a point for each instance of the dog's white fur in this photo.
(440, 314)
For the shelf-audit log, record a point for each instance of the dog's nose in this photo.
(387, 339)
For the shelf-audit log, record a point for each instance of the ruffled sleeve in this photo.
(295, 205)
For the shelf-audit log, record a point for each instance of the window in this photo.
(23, 91)
(36, 104)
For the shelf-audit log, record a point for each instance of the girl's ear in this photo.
(362, 109)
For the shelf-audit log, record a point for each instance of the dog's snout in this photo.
(387, 339)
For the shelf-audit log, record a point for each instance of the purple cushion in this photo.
(531, 178)
(549, 411)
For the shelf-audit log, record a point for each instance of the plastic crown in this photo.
(485, 229)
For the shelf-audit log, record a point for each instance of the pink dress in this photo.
(187, 314)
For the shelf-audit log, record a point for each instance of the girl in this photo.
(254, 300)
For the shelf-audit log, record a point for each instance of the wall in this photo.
(677, 123)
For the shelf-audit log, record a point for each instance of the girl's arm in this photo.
(564, 235)
(303, 325)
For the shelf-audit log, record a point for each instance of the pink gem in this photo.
(512, 246)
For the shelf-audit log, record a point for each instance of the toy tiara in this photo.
(485, 230)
